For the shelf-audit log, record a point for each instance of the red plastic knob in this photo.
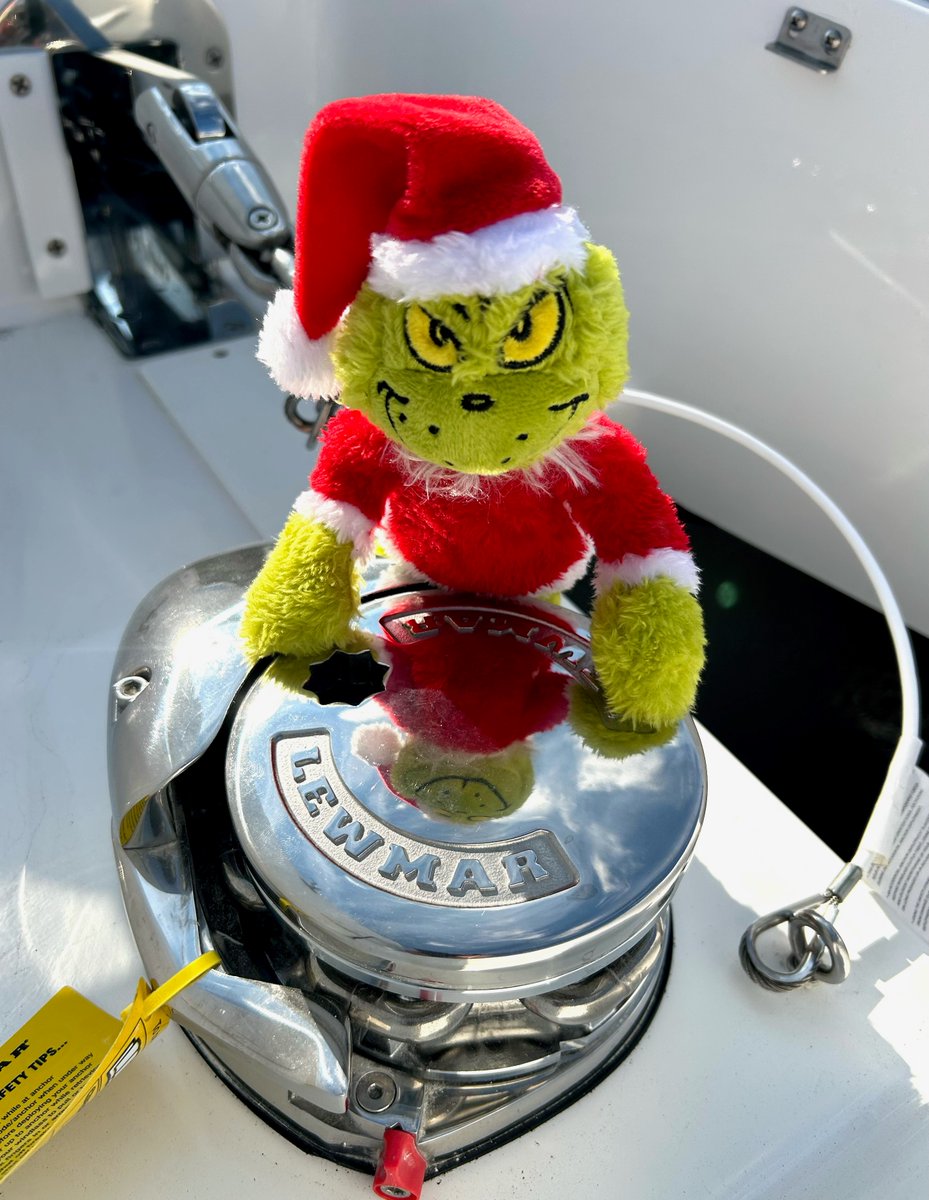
(402, 1168)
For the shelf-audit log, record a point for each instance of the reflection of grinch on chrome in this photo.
(466, 703)
(465, 700)
(124, 1059)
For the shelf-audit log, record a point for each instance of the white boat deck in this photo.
(112, 475)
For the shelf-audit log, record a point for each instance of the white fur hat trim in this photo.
(491, 261)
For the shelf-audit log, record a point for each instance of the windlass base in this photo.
(437, 873)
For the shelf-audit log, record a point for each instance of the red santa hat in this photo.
(419, 197)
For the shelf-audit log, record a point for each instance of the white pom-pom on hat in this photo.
(298, 364)
(378, 744)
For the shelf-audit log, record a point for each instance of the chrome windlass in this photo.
(437, 873)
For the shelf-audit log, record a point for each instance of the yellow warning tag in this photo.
(68, 1052)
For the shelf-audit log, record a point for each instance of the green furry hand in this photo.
(303, 599)
(648, 643)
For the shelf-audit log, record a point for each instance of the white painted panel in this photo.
(20, 301)
(42, 178)
(225, 404)
(771, 223)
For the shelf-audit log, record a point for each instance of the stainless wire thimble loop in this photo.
(817, 951)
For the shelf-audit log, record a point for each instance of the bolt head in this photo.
(375, 1092)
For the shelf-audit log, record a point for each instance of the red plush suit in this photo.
(523, 534)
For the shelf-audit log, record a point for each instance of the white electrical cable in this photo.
(873, 844)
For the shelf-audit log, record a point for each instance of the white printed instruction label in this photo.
(903, 879)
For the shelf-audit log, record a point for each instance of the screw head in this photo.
(56, 247)
(20, 85)
(214, 58)
(375, 1092)
(798, 19)
(262, 217)
(832, 40)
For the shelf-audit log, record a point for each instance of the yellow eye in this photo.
(537, 332)
(430, 342)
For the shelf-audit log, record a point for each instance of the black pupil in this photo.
(439, 334)
(523, 329)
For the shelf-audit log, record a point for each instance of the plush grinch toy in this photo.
(473, 334)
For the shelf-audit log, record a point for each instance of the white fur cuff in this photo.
(633, 569)
(298, 364)
(346, 521)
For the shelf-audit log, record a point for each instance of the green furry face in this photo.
(486, 385)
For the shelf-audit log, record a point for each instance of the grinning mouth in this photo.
(384, 389)
(392, 399)
(574, 403)
(464, 780)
